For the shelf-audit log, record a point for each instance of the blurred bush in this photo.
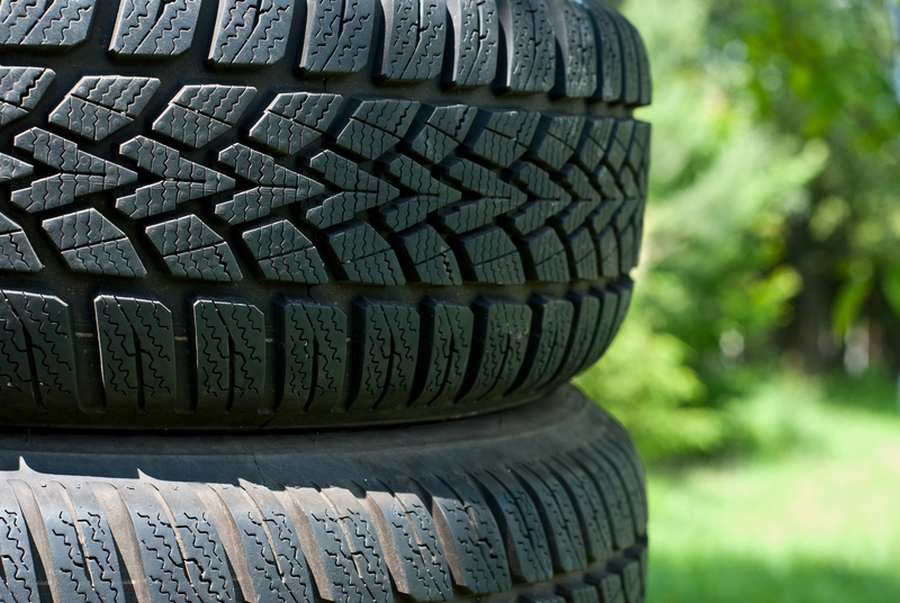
(773, 228)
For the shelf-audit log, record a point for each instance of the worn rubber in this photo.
(252, 213)
(544, 502)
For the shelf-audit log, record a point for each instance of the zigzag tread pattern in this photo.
(49, 23)
(299, 191)
(155, 27)
(427, 537)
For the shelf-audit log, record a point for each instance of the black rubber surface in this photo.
(251, 213)
(544, 502)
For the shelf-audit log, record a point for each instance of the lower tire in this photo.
(544, 502)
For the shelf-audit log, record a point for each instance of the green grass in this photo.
(812, 515)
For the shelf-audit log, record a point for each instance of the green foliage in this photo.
(773, 225)
(810, 517)
(647, 385)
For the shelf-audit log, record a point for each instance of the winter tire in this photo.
(275, 213)
(544, 502)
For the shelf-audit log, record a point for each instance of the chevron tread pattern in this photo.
(416, 203)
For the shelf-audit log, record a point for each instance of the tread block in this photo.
(490, 256)
(582, 255)
(575, 215)
(230, 347)
(577, 48)
(502, 137)
(601, 217)
(521, 525)
(608, 249)
(619, 144)
(283, 253)
(424, 194)
(607, 184)
(483, 182)
(191, 249)
(197, 115)
(12, 169)
(537, 183)
(586, 324)
(162, 562)
(501, 335)
(593, 143)
(578, 183)
(57, 23)
(73, 556)
(364, 256)
(431, 257)
(283, 537)
(16, 252)
(615, 498)
(20, 581)
(376, 125)
(628, 474)
(476, 38)
(631, 80)
(90, 243)
(338, 36)
(530, 52)
(610, 71)
(603, 328)
(137, 353)
(444, 355)
(360, 190)
(276, 572)
(444, 130)
(627, 250)
(278, 186)
(467, 216)
(384, 362)
(470, 535)
(204, 552)
(155, 27)
(623, 217)
(314, 355)
(103, 104)
(551, 330)
(640, 146)
(532, 215)
(80, 173)
(589, 507)
(578, 593)
(37, 352)
(545, 256)
(556, 140)
(294, 120)
(414, 39)
(251, 32)
(609, 586)
(413, 552)
(21, 89)
(182, 180)
(348, 563)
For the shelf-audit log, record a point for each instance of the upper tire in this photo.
(274, 213)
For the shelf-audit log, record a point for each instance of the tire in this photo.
(269, 213)
(544, 502)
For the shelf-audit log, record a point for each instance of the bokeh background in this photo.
(758, 368)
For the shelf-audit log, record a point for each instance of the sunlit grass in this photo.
(813, 515)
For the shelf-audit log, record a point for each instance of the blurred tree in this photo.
(773, 229)
(820, 70)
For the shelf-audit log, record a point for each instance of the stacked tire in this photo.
(290, 292)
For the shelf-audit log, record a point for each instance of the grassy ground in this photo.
(813, 515)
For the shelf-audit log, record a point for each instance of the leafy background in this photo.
(757, 369)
